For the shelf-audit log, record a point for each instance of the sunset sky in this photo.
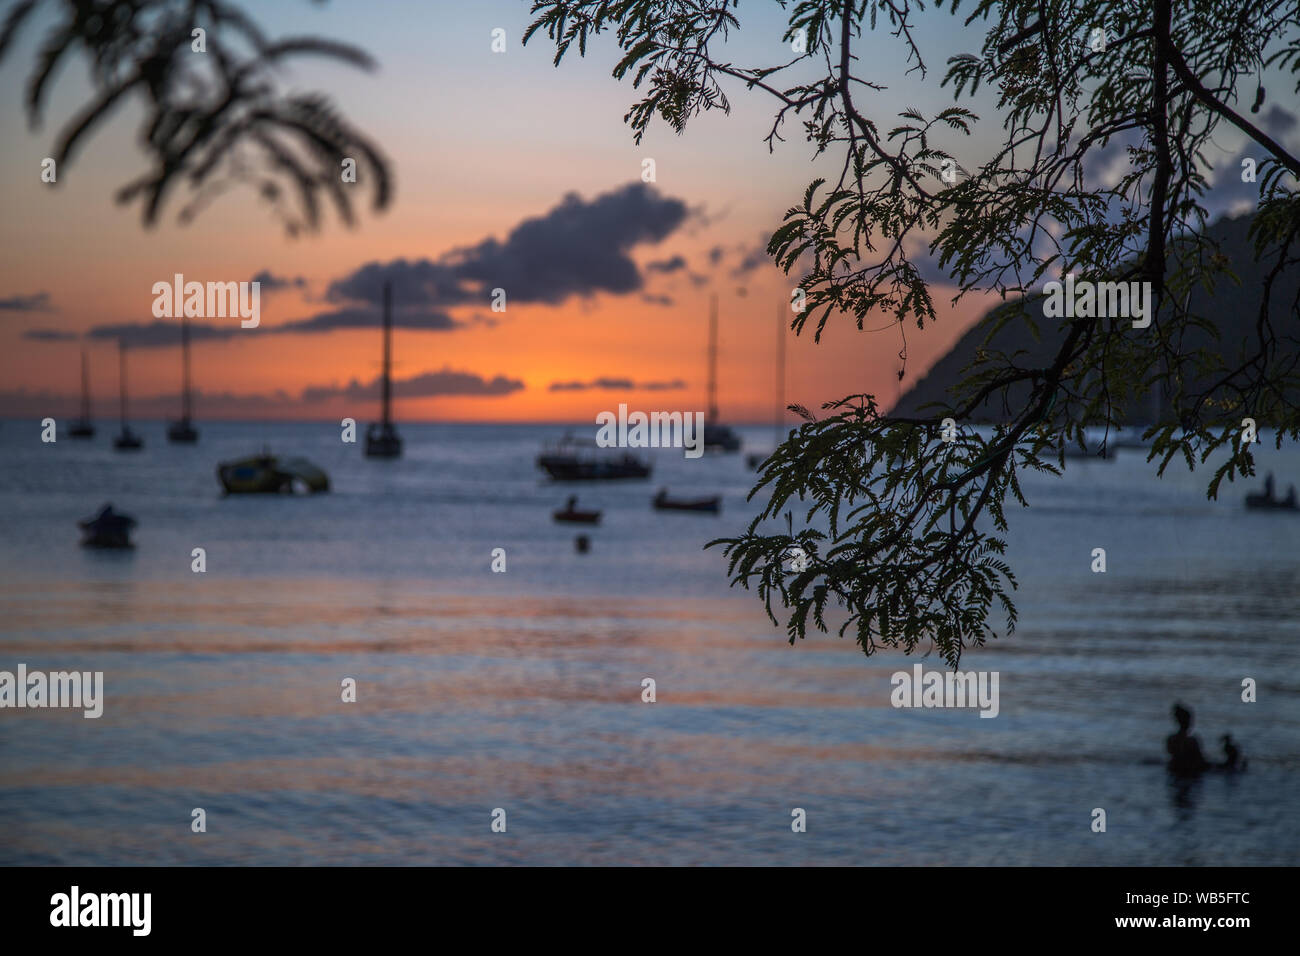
(508, 172)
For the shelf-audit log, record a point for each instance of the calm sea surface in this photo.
(522, 690)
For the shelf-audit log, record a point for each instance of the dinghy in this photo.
(662, 502)
(571, 515)
(108, 529)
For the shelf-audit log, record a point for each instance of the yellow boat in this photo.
(266, 474)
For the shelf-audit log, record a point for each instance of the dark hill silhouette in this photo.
(1235, 317)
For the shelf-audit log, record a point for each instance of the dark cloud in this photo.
(165, 333)
(927, 265)
(38, 302)
(1106, 165)
(752, 257)
(426, 385)
(666, 266)
(716, 254)
(610, 384)
(22, 403)
(270, 282)
(367, 317)
(578, 248)
(49, 335)
(1277, 122)
(1228, 193)
(663, 300)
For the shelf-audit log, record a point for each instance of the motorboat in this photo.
(574, 459)
(1267, 501)
(266, 474)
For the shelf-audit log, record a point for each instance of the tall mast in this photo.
(121, 379)
(85, 387)
(388, 349)
(713, 359)
(779, 420)
(185, 367)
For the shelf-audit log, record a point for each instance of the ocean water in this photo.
(522, 690)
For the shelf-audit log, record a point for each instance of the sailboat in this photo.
(82, 428)
(126, 440)
(780, 432)
(382, 440)
(717, 437)
(183, 432)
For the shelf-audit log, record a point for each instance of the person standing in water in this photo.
(1232, 758)
(1185, 757)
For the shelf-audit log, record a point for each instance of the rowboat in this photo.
(571, 515)
(662, 502)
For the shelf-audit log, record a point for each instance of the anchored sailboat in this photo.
(780, 431)
(717, 437)
(126, 439)
(382, 440)
(82, 427)
(183, 432)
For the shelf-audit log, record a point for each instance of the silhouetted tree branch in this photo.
(913, 546)
(214, 118)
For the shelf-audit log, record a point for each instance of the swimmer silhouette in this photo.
(1232, 759)
(1185, 757)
